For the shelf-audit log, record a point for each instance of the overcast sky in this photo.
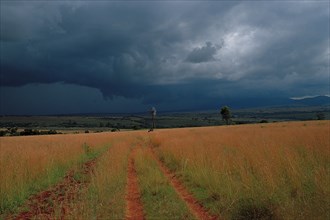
(111, 56)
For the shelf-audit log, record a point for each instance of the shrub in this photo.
(52, 132)
(248, 209)
(3, 133)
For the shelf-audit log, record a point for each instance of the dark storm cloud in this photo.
(203, 54)
(164, 51)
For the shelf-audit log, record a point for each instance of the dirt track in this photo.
(196, 208)
(58, 198)
(56, 202)
(134, 207)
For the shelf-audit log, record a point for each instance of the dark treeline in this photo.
(26, 132)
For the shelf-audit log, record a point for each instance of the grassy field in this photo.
(31, 164)
(275, 170)
(105, 196)
(158, 196)
(261, 171)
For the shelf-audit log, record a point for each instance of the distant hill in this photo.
(243, 103)
(314, 101)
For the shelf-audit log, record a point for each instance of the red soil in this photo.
(134, 208)
(196, 208)
(58, 198)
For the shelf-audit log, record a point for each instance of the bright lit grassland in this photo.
(158, 196)
(279, 170)
(31, 164)
(105, 196)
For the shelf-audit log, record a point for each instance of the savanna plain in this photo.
(255, 171)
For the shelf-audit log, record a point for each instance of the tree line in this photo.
(26, 132)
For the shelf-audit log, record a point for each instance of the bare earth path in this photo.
(134, 208)
(197, 209)
(58, 198)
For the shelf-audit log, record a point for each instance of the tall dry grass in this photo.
(32, 163)
(159, 198)
(278, 170)
(105, 196)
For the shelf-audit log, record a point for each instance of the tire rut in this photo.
(134, 207)
(55, 202)
(195, 207)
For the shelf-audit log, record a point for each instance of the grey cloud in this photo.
(152, 51)
(21, 21)
(203, 54)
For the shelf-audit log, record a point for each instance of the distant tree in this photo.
(226, 114)
(115, 129)
(28, 131)
(3, 132)
(320, 116)
(12, 131)
(52, 132)
(153, 112)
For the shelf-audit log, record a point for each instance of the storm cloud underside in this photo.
(173, 54)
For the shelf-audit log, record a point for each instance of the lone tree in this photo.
(153, 115)
(320, 116)
(226, 114)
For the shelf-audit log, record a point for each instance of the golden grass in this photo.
(279, 170)
(29, 164)
(159, 197)
(105, 196)
(282, 167)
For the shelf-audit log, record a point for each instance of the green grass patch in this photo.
(159, 199)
